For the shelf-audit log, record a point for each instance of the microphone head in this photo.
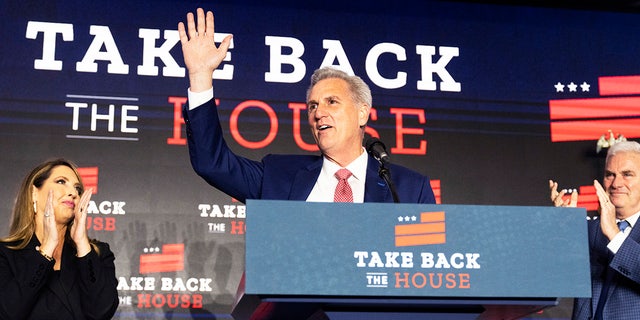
(369, 142)
(376, 148)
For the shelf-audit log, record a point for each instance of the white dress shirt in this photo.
(325, 187)
(197, 99)
(617, 241)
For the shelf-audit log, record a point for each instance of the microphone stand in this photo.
(385, 174)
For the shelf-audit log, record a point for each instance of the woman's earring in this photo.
(35, 207)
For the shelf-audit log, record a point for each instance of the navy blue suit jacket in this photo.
(280, 177)
(623, 301)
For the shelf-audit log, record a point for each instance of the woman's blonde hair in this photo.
(23, 224)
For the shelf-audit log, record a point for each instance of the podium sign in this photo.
(407, 252)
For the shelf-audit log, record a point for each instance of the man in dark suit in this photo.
(338, 110)
(614, 240)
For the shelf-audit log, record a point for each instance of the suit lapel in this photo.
(304, 180)
(635, 232)
(375, 188)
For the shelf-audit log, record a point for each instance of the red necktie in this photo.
(343, 189)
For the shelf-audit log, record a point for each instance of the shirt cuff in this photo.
(616, 242)
(197, 99)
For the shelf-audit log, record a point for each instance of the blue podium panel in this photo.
(415, 250)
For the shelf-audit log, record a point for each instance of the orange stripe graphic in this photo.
(430, 230)
(418, 228)
(420, 240)
(432, 216)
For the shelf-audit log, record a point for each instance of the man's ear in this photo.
(363, 114)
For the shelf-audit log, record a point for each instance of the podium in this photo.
(379, 261)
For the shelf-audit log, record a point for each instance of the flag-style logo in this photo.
(169, 259)
(587, 198)
(617, 108)
(429, 230)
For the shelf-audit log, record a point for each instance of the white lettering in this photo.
(361, 255)
(49, 31)
(371, 64)
(137, 284)
(376, 261)
(109, 117)
(278, 58)
(190, 285)
(151, 52)
(286, 64)
(106, 207)
(125, 118)
(390, 259)
(227, 211)
(76, 112)
(429, 68)
(472, 262)
(102, 37)
(393, 259)
(226, 73)
(336, 52)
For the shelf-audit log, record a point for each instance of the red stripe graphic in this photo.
(594, 108)
(170, 259)
(430, 230)
(586, 119)
(593, 129)
(89, 177)
(587, 198)
(435, 186)
(620, 85)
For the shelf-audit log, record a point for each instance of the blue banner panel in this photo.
(409, 250)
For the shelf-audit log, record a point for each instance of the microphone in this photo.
(376, 148)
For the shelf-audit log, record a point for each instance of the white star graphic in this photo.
(400, 219)
(572, 87)
(559, 87)
(413, 218)
(406, 218)
(585, 86)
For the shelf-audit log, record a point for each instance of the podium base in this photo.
(257, 307)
